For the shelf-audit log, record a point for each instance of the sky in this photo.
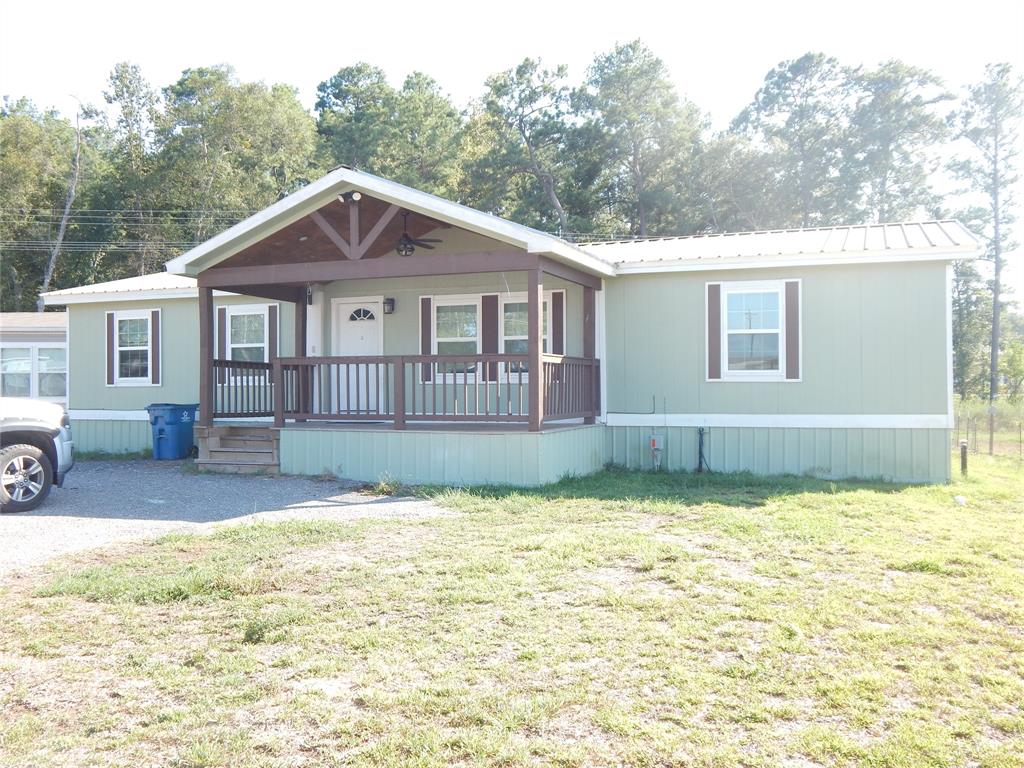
(59, 53)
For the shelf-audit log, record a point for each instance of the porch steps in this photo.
(238, 449)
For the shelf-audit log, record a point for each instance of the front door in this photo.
(357, 332)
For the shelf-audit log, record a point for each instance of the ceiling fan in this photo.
(407, 244)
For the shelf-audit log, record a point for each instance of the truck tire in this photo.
(26, 476)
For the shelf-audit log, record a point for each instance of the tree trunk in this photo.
(51, 265)
(997, 260)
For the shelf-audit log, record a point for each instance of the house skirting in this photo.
(443, 457)
(911, 455)
(111, 431)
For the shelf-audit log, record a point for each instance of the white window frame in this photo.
(455, 300)
(524, 298)
(247, 309)
(134, 314)
(753, 286)
(33, 348)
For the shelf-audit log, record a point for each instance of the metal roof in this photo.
(33, 322)
(903, 241)
(157, 284)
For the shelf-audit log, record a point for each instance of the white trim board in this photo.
(783, 420)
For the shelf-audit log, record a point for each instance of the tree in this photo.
(133, 161)
(356, 110)
(227, 148)
(526, 108)
(801, 117)
(422, 148)
(989, 121)
(650, 134)
(893, 134)
(69, 200)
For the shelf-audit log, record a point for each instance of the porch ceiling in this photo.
(306, 241)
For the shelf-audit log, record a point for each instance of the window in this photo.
(132, 347)
(754, 330)
(34, 370)
(247, 335)
(515, 326)
(753, 327)
(457, 331)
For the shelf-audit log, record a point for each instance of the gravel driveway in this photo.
(107, 501)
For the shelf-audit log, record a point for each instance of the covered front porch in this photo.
(403, 320)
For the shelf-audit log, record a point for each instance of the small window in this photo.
(361, 314)
(247, 336)
(514, 331)
(457, 332)
(16, 372)
(749, 338)
(34, 371)
(753, 327)
(132, 350)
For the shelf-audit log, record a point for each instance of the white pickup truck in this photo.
(36, 451)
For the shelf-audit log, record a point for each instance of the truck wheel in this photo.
(25, 478)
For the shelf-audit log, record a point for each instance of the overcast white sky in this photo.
(717, 53)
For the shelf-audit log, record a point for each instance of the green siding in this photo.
(111, 436)
(449, 458)
(902, 455)
(874, 342)
(87, 380)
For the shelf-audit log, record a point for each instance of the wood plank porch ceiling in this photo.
(318, 245)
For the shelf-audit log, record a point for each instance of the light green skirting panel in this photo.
(444, 458)
(111, 436)
(900, 455)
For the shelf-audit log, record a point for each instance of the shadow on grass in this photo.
(616, 483)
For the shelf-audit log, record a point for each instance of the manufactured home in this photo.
(365, 329)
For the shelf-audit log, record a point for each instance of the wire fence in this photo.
(997, 430)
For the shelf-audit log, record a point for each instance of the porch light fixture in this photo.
(350, 197)
(309, 296)
(389, 306)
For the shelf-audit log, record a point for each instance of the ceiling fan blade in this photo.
(429, 240)
(428, 246)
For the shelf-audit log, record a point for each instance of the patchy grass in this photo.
(622, 619)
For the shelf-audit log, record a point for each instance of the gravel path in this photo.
(108, 501)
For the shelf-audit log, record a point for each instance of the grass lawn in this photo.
(638, 619)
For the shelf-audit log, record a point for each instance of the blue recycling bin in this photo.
(172, 429)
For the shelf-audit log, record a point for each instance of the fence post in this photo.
(963, 458)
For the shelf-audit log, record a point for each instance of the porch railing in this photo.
(570, 387)
(242, 389)
(404, 388)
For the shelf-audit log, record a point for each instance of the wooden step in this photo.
(260, 455)
(245, 442)
(238, 467)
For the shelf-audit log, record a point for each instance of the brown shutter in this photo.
(557, 330)
(154, 346)
(110, 348)
(426, 329)
(489, 325)
(792, 329)
(714, 340)
(272, 332)
(222, 340)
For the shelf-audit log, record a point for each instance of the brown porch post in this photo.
(534, 304)
(590, 347)
(304, 382)
(205, 356)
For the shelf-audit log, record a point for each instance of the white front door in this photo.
(357, 332)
